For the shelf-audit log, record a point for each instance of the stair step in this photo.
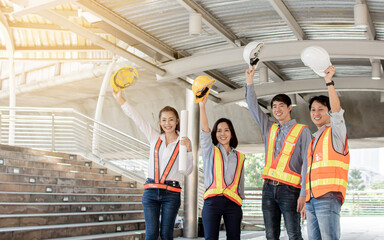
(56, 173)
(30, 208)
(70, 230)
(7, 149)
(136, 235)
(21, 178)
(70, 197)
(27, 187)
(18, 220)
(52, 166)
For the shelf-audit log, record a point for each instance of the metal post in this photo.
(191, 181)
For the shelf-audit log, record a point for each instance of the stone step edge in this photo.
(102, 236)
(75, 194)
(67, 178)
(60, 226)
(52, 163)
(67, 214)
(53, 170)
(63, 203)
(61, 185)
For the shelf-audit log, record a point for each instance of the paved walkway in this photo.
(352, 228)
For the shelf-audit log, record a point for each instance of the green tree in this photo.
(355, 180)
(378, 185)
(253, 170)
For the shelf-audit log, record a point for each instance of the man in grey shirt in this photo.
(286, 144)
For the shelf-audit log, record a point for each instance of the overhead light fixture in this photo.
(361, 15)
(263, 74)
(195, 24)
(376, 70)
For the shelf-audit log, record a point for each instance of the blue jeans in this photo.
(323, 217)
(277, 200)
(168, 202)
(213, 209)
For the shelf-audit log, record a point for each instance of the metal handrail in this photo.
(67, 130)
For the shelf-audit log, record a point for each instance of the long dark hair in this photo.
(233, 142)
(170, 109)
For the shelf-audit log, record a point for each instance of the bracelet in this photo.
(330, 83)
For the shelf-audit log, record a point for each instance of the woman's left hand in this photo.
(186, 142)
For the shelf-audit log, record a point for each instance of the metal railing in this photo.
(357, 203)
(67, 130)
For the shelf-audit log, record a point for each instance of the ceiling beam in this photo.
(33, 7)
(271, 52)
(55, 60)
(212, 22)
(44, 26)
(125, 26)
(286, 15)
(274, 72)
(371, 32)
(87, 34)
(305, 86)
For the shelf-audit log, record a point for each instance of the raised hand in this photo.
(249, 74)
(330, 71)
(118, 96)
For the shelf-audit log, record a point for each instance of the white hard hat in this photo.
(316, 58)
(251, 53)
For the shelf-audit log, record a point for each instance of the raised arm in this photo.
(333, 98)
(260, 117)
(203, 115)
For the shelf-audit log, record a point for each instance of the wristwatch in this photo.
(330, 83)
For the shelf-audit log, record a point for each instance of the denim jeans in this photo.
(323, 217)
(277, 200)
(154, 201)
(213, 209)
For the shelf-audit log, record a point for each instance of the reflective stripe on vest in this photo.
(218, 186)
(160, 183)
(327, 169)
(278, 168)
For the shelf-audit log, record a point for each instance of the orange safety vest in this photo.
(278, 169)
(218, 186)
(327, 169)
(161, 183)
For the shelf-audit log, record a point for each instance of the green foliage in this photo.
(355, 180)
(253, 166)
(378, 185)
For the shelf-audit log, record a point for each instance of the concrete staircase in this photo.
(49, 195)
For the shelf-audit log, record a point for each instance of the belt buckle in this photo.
(275, 183)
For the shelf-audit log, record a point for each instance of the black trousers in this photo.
(216, 207)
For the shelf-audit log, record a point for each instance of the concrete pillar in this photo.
(12, 101)
(99, 106)
(191, 181)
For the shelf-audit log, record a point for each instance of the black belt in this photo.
(169, 183)
(273, 182)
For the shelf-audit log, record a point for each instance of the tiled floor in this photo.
(352, 228)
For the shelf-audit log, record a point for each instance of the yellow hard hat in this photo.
(201, 87)
(123, 78)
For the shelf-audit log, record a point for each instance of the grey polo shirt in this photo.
(230, 162)
(299, 154)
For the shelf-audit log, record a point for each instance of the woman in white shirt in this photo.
(223, 177)
(162, 188)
